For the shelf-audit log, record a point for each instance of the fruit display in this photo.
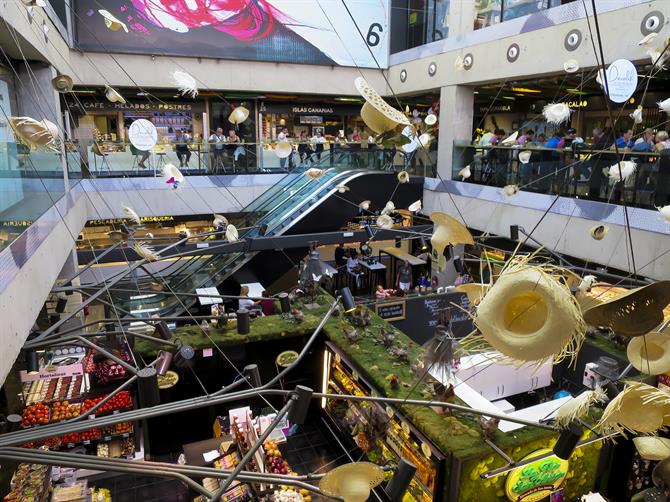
(77, 492)
(63, 410)
(90, 435)
(73, 438)
(117, 429)
(109, 370)
(121, 401)
(102, 450)
(287, 496)
(273, 459)
(28, 483)
(127, 447)
(35, 414)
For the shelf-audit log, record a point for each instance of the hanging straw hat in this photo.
(376, 120)
(431, 119)
(571, 66)
(524, 157)
(231, 233)
(579, 406)
(633, 313)
(113, 96)
(414, 206)
(650, 353)
(529, 315)
(314, 173)
(652, 447)
(448, 230)
(384, 221)
(112, 22)
(639, 409)
(34, 132)
(238, 115)
(353, 482)
(373, 98)
(403, 177)
(62, 83)
(599, 232)
(283, 149)
(475, 291)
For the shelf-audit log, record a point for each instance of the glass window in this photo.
(490, 12)
(418, 22)
(487, 13)
(440, 17)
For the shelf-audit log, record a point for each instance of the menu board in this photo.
(391, 311)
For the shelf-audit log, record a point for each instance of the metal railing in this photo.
(579, 171)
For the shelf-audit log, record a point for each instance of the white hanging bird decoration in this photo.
(510, 190)
(384, 221)
(415, 206)
(465, 173)
(524, 157)
(578, 406)
(132, 215)
(600, 77)
(314, 173)
(628, 167)
(231, 233)
(172, 175)
(365, 205)
(556, 113)
(459, 63)
(648, 39)
(145, 251)
(342, 188)
(431, 119)
(185, 83)
(219, 221)
(664, 105)
(637, 115)
(587, 283)
(658, 56)
(403, 177)
(510, 140)
(388, 208)
(665, 212)
(571, 66)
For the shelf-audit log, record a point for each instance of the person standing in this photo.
(405, 276)
(526, 138)
(318, 141)
(281, 137)
(181, 140)
(216, 142)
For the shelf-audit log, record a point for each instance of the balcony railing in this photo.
(580, 172)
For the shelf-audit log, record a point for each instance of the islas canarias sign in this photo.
(537, 480)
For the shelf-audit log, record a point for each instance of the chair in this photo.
(104, 163)
(137, 156)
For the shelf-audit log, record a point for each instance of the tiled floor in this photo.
(310, 449)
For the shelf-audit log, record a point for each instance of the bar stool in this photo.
(104, 163)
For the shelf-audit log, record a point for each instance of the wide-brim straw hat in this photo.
(34, 132)
(371, 96)
(660, 476)
(353, 482)
(112, 22)
(283, 149)
(475, 291)
(113, 96)
(62, 83)
(448, 230)
(652, 447)
(431, 119)
(524, 157)
(650, 353)
(634, 313)
(530, 315)
(231, 233)
(238, 115)
(638, 409)
(376, 120)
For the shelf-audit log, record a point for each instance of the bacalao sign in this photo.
(536, 481)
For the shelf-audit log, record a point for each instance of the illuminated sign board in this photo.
(536, 481)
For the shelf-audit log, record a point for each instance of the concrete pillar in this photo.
(456, 116)
(461, 18)
(36, 97)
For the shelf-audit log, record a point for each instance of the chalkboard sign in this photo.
(391, 311)
(421, 315)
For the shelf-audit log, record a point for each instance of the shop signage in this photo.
(537, 480)
(311, 119)
(143, 219)
(152, 106)
(621, 80)
(577, 103)
(392, 311)
(68, 370)
(307, 109)
(495, 108)
(142, 134)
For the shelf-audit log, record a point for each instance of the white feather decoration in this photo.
(579, 406)
(185, 83)
(524, 157)
(665, 212)
(510, 140)
(657, 56)
(384, 221)
(365, 205)
(465, 173)
(571, 66)
(342, 188)
(219, 221)
(628, 167)
(172, 175)
(314, 173)
(664, 105)
(556, 113)
(637, 115)
(600, 78)
(459, 63)
(388, 208)
(415, 206)
(587, 283)
(403, 177)
(648, 39)
(145, 251)
(231, 233)
(132, 215)
(510, 190)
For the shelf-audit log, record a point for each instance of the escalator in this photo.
(292, 201)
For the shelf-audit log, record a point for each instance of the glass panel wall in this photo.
(490, 12)
(418, 22)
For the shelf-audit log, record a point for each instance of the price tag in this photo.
(107, 438)
(115, 412)
(124, 435)
(91, 417)
(405, 427)
(70, 445)
(426, 450)
(87, 442)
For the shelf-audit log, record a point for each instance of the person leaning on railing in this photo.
(217, 141)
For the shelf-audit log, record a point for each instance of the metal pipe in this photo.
(495, 448)
(230, 387)
(190, 295)
(254, 448)
(107, 354)
(88, 265)
(124, 385)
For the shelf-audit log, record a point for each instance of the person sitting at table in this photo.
(646, 142)
(267, 305)
(381, 293)
(354, 267)
(424, 280)
(405, 276)
(245, 302)
(625, 141)
(181, 140)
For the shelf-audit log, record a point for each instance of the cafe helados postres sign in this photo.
(537, 480)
